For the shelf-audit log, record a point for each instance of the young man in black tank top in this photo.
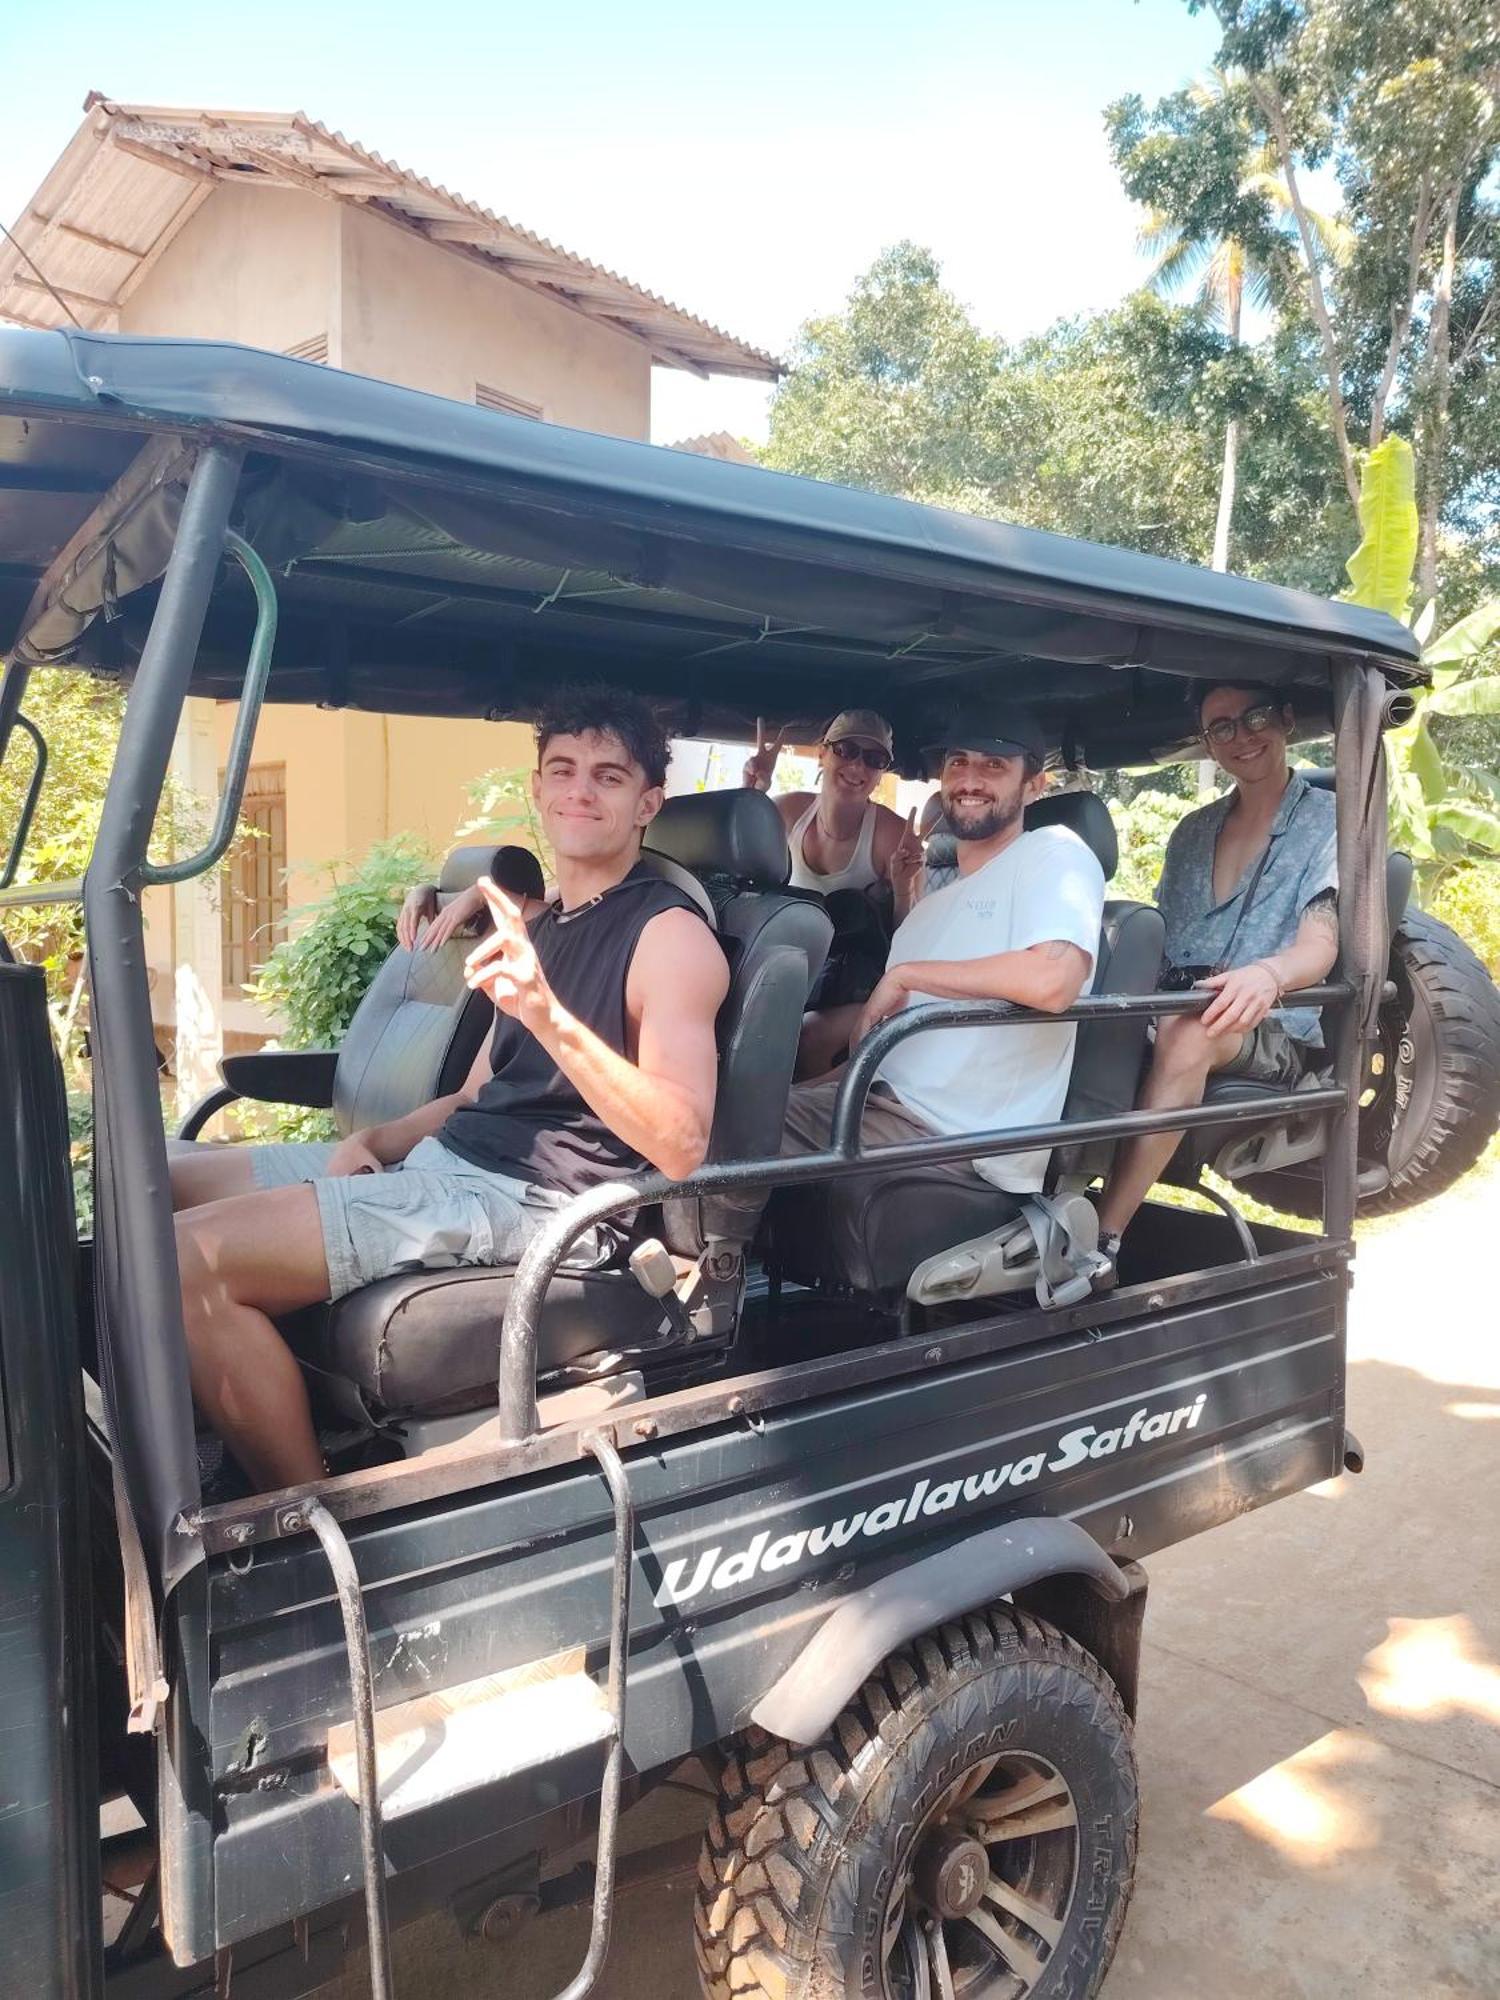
(603, 1059)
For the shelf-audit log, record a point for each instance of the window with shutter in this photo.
(314, 349)
(254, 893)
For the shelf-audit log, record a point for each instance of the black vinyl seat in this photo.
(427, 1343)
(414, 1036)
(870, 1231)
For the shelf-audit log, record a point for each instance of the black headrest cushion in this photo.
(463, 868)
(1085, 814)
(737, 833)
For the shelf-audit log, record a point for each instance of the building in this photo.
(268, 229)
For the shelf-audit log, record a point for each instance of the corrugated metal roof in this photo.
(133, 174)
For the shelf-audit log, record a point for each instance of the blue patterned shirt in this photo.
(1303, 866)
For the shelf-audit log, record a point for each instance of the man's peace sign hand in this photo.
(505, 967)
(760, 765)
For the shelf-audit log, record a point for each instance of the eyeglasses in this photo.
(874, 756)
(1254, 721)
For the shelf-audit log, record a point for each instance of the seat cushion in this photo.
(871, 1231)
(427, 1343)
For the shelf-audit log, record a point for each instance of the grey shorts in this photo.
(1268, 1054)
(432, 1212)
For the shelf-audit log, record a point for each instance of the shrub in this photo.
(1468, 899)
(315, 978)
(1145, 826)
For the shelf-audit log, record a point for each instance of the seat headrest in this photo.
(514, 867)
(463, 868)
(1319, 775)
(1085, 814)
(738, 833)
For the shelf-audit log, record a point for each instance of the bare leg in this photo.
(1184, 1060)
(210, 1173)
(825, 1037)
(242, 1260)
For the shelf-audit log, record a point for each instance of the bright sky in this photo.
(746, 163)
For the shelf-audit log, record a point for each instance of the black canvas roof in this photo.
(433, 557)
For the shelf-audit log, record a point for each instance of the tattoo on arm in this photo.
(1322, 914)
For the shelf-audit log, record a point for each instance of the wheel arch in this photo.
(870, 1623)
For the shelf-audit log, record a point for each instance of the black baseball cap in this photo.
(994, 729)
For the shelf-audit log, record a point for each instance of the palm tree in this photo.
(1226, 274)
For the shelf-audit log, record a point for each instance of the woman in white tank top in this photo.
(838, 836)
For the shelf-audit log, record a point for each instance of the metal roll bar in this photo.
(517, 1412)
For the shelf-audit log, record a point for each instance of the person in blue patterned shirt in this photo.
(1248, 892)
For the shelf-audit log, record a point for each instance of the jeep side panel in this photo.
(748, 1533)
(49, 1802)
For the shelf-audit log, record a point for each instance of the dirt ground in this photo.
(1319, 1735)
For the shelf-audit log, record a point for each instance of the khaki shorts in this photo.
(431, 1213)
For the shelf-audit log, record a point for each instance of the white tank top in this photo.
(857, 873)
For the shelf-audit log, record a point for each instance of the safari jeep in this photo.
(846, 1504)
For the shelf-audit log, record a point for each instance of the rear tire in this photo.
(1432, 1097)
(980, 1787)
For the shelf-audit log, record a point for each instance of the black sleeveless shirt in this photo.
(529, 1120)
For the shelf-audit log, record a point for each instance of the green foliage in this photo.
(505, 813)
(316, 977)
(80, 718)
(1468, 899)
(1145, 825)
(1110, 427)
(81, 1157)
(1398, 98)
(1444, 799)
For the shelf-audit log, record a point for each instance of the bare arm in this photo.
(1247, 993)
(1048, 977)
(662, 1104)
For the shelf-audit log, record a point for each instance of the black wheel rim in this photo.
(1020, 1811)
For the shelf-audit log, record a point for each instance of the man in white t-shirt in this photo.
(1020, 922)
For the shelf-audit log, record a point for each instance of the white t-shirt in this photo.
(1047, 884)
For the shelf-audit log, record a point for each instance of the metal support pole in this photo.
(139, 1304)
(587, 1978)
(362, 1698)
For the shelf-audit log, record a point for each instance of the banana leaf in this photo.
(1466, 640)
(1476, 697)
(1380, 568)
(1471, 823)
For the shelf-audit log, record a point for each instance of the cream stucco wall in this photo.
(428, 318)
(256, 265)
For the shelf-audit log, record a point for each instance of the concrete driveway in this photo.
(1319, 1735)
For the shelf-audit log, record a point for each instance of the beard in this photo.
(974, 822)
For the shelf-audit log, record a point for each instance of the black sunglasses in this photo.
(1254, 721)
(872, 755)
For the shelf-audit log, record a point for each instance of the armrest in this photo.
(283, 1076)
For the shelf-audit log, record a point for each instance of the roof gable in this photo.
(134, 174)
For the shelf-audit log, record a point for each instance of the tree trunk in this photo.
(1226, 494)
(1439, 372)
(1269, 100)
(1235, 305)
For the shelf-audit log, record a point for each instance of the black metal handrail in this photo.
(846, 1156)
(28, 804)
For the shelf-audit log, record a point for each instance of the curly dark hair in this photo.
(596, 708)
